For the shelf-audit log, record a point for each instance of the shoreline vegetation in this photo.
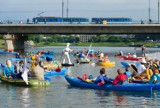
(102, 44)
(94, 44)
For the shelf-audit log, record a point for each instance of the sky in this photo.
(23, 9)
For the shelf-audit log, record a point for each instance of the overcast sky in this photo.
(23, 9)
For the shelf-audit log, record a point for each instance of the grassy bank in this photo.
(2, 42)
(108, 44)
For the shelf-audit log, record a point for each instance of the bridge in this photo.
(79, 29)
(17, 32)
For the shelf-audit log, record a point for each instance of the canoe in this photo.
(20, 82)
(125, 87)
(132, 58)
(54, 73)
(8, 52)
(67, 65)
(106, 64)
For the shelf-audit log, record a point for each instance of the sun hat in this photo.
(143, 60)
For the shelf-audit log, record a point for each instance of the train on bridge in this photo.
(73, 20)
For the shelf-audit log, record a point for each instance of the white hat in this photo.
(143, 60)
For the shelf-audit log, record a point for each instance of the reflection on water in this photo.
(61, 95)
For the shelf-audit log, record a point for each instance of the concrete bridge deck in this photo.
(79, 29)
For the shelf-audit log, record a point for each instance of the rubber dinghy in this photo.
(125, 87)
(21, 82)
(54, 73)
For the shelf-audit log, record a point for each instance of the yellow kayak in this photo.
(106, 64)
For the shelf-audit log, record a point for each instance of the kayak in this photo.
(18, 59)
(132, 58)
(125, 87)
(8, 52)
(119, 56)
(156, 86)
(21, 82)
(106, 64)
(48, 53)
(54, 73)
(83, 61)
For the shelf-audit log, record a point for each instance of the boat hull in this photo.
(106, 64)
(125, 87)
(67, 65)
(20, 82)
(54, 73)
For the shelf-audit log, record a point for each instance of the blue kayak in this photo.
(8, 52)
(125, 87)
(125, 64)
(50, 53)
(54, 73)
(18, 59)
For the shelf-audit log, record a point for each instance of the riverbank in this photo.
(102, 44)
(107, 44)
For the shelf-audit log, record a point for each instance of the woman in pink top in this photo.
(120, 78)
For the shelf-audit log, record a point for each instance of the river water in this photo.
(61, 95)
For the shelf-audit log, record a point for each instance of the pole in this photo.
(158, 11)
(67, 8)
(149, 10)
(62, 9)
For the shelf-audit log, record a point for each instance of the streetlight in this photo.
(62, 9)
(67, 10)
(158, 11)
(149, 12)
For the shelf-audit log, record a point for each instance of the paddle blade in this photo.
(25, 72)
(25, 76)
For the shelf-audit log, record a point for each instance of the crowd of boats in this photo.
(33, 70)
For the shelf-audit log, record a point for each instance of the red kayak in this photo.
(132, 58)
(119, 56)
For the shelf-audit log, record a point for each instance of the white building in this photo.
(85, 38)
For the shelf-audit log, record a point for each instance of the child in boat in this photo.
(128, 73)
(19, 69)
(106, 59)
(9, 70)
(120, 78)
(103, 78)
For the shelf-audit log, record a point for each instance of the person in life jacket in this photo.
(66, 54)
(120, 78)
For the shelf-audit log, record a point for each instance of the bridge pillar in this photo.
(14, 42)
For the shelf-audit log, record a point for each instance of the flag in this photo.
(25, 72)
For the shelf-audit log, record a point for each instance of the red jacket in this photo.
(119, 78)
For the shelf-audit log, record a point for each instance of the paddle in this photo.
(126, 64)
(58, 69)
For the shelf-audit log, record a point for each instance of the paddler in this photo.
(66, 51)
